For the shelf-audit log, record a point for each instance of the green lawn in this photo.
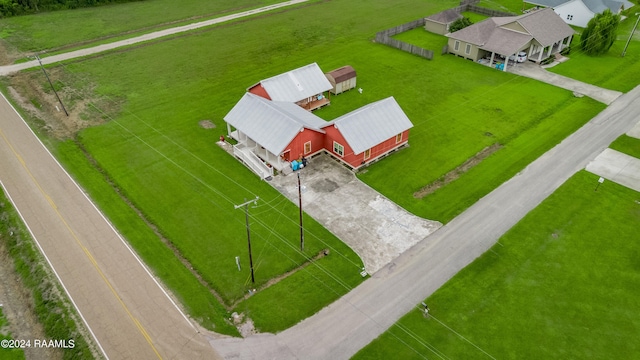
(169, 167)
(609, 70)
(62, 28)
(562, 284)
(628, 145)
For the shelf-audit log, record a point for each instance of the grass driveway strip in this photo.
(562, 284)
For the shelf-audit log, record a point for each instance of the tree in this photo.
(459, 24)
(600, 33)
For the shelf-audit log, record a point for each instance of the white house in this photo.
(579, 12)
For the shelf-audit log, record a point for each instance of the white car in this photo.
(520, 57)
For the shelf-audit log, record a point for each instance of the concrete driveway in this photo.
(617, 167)
(534, 71)
(377, 229)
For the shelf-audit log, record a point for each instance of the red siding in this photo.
(257, 89)
(357, 160)
(296, 146)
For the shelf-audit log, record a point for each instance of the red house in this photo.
(272, 133)
(368, 133)
(306, 86)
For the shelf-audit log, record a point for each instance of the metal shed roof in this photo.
(372, 124)
(297, 84)
(271, 124)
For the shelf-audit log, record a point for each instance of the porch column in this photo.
(506, 62)
(491, 61)
(550, 49)
(530, 51)
(540, 55)
(228, 129)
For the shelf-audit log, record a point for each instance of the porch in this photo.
(314, 102)
(264, 156)
(538, 53)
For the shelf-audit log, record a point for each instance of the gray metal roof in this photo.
(596, 6)
(271, 124)
(297, 84)
(372, 124)
(545, 26)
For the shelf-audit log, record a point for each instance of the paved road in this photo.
(344, 327)
(9, 69)
(127, 311)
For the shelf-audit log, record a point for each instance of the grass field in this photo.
(628, 145)
(562, 284)
(609, 70)
(88, 25)
(167, 166)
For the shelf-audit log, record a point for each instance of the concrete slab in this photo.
(377, 229)
(534, 71)
(617, 167)
(635, 132)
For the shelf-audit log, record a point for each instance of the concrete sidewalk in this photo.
(377, 229)
(534, 71)
(617, 167)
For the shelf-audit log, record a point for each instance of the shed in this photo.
(439, 23)
(342, 79)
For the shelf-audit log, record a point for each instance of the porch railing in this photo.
(252, 161)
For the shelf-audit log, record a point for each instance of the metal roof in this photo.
(595, 6)
(271, 124)
(297, 84)
(372, 124)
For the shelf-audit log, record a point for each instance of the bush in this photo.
(460, 24)
(548, 60)
(566, 51)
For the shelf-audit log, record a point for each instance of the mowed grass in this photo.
(562, 284)
(56, 29)
(628, 145)
(610, 70)
(170, 168)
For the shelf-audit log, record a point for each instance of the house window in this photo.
(456, 45)
(307, 147)
(338, 149)
(467, 50)
(569, 17)
(367, 154)
(398, 138)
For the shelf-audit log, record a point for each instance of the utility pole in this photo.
(246, 216)
(631, 35)
(52, 88)
(300, 206)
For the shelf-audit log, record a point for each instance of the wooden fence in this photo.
(385, 37)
